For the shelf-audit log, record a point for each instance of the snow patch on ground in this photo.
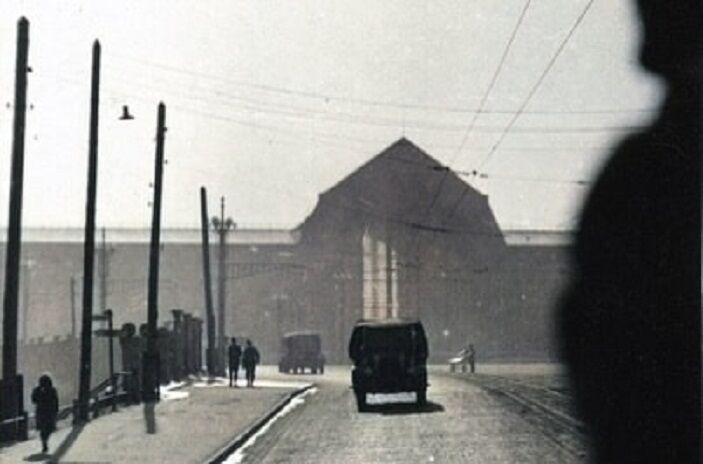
(222, 382)
(214, 382)
(238, 456)
(171, 392)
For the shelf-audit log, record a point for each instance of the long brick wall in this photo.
(59, 356)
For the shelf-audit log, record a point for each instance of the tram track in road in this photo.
(564, 431)
(547, 409)
(552, 401)
(467, 424)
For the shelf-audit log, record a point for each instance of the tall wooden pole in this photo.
(89, 242)
(222, 225)
(73, 306)
(210, 316)
(111, 354)
(11, 388)
(221, 289)
(26, 281)
(151, 357)
(102, 270)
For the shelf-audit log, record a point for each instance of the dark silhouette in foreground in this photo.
(46, 399)
(630, 322)
(250, 358)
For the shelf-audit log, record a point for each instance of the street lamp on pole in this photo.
(222, 226)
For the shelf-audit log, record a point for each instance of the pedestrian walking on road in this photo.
(47, 400)
(471, 358)
(235, 354)
(250, 358)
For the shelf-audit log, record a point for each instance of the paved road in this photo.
(462, 423)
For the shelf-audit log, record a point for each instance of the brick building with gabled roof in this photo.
(400, 236)
(404, 236)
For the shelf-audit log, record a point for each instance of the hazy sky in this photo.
(272, 102)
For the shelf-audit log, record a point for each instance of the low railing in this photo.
(109, 392)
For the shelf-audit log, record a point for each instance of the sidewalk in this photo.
(191, 424)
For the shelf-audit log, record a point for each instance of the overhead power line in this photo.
(545, 180)
(245, 119)
(260, 107)
(493, 81)
(486, 93)
(446, 169)
(327, 98)
(365, 120)
(521, 109)
(537, 84)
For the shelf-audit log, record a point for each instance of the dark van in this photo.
(389, 356)
(300, 350)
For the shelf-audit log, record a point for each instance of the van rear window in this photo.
(400, 337)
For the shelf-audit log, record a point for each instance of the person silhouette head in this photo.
(671, 39)
(45, 381)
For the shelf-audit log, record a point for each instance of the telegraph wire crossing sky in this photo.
(270, 105)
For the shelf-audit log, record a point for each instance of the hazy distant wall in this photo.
(60, 357)
(503, 300)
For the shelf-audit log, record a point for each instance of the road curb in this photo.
(224, 452)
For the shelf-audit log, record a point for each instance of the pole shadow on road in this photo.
(61, 450)
(150, 417)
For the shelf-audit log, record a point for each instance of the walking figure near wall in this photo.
(47, 402)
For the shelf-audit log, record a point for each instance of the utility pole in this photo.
(13, 417)
(89, 243)
(151, 356)
(26, 281)
(73, 306)
(210, 317)
(111, 354)
(104, 270)
(222, 227)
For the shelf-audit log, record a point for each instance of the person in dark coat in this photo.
(631, 320)
(250, 358)
(47, 401)
(235, 354)
(471, 358)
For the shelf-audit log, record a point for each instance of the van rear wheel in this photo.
(421, 397)
(361, 401)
